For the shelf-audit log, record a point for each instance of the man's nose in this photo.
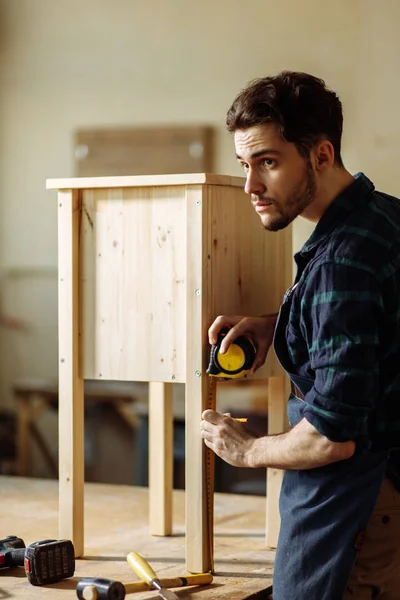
(254, 185)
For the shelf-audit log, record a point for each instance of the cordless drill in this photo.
(46, 561)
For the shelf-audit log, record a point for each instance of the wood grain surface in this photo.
(116, 522)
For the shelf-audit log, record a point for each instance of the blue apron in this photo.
(324, 511)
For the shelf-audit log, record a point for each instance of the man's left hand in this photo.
(228, 438)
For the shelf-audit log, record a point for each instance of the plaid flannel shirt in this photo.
(344, 324)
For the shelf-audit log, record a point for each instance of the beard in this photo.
(301, 196)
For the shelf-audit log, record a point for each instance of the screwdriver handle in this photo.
(141, 567)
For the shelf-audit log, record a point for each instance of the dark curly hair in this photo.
(303, 108)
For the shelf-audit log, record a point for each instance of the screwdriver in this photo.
(146, 574)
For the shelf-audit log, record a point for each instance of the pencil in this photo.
(241, 419)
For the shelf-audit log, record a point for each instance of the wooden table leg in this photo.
(160, 457)
(277, 423)
(24, 417)
(198, 317)
(198, 544)
(71, 396)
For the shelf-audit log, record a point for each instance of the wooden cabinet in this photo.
(145, 265)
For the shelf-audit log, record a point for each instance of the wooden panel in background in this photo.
(27, 294)
(143, 150)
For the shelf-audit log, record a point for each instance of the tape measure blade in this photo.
(210, 471)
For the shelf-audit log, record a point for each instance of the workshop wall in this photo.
(90, 63)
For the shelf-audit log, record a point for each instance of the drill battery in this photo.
(49, 561)
(46, 561)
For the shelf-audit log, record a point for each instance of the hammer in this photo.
(98, 588)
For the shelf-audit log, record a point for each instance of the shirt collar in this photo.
(350, 199)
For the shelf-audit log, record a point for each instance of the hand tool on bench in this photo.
(46, 561)
(146, 573)
(99, 588)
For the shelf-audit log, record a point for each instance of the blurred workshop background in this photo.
(101, 87)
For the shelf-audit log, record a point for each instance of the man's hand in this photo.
(303, 447)
(228, 438)
(260, 330)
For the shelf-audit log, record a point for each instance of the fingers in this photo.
(209, 424)
(237, 330)
(212, 416)
(208, 444)
(227, 438)
(220, 323)
(228, 339)
(211, 429)
(258, 329)
(260, 357)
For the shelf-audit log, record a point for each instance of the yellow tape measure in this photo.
(235, 362)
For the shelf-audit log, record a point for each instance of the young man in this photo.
(338, 338)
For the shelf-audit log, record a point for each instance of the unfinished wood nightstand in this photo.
(145, 265)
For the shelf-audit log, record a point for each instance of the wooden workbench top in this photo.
(116, 523)
(144, 181)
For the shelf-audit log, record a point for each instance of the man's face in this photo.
(280, 181)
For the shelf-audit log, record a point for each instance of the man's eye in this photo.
(268, 162)
(245, 167)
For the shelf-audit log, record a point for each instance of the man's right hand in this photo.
(260, 330)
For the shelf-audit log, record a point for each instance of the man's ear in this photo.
(324, 155)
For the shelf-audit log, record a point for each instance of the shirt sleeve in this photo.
(341, 316)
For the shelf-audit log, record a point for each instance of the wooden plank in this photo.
(116, 524)
(277, 423)
(143, 150)
(248, 264)
(143, 181)
(134, 284)
(160, 457)
(198, 543)
(71, 409)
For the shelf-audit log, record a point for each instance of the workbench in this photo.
(243, 566)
